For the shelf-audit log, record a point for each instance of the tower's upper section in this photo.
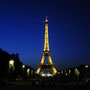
(46, 42)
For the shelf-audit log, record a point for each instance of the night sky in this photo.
(22, 25)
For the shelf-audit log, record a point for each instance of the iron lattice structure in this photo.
(46, 53)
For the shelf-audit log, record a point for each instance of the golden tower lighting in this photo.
(46, 53)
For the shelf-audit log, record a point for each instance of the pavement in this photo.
(27, 85)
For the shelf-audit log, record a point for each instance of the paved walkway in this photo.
(27, 85)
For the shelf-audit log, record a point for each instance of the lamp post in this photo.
(23, 66)
(28, 71)
(69, 72)
(86, 66)
(77, 73)
(11, 65)
(86, 73)
(24, 72)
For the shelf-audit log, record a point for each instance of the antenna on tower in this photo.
(46, 18)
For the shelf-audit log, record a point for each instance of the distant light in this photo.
(11, 65)
(62, 72)
(58, 72)
(77, 73)
(28, 71)
(23, 66)
(86, 66)
(69, 71)
(66, 74)
(49, 75)
(36, 72)
(43, 75)
(11, 62)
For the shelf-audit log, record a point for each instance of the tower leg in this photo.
(38, 70)
(42, 62)
(54, 69)
(43, 58)
(50, 60)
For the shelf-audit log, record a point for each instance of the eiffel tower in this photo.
(46, 53)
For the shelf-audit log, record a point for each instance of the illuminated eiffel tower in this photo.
(46, 53)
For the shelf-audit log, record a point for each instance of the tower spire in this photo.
(46, 19)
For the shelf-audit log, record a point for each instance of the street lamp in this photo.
(69, 72)
(77, 73)
(23, 66)
(28, 71)
(11, 65)
(86, 73)
(66, 74)
(86, 66)
(61, 72)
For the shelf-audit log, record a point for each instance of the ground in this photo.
(27, 85)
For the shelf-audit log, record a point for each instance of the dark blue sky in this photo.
(22, 30)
